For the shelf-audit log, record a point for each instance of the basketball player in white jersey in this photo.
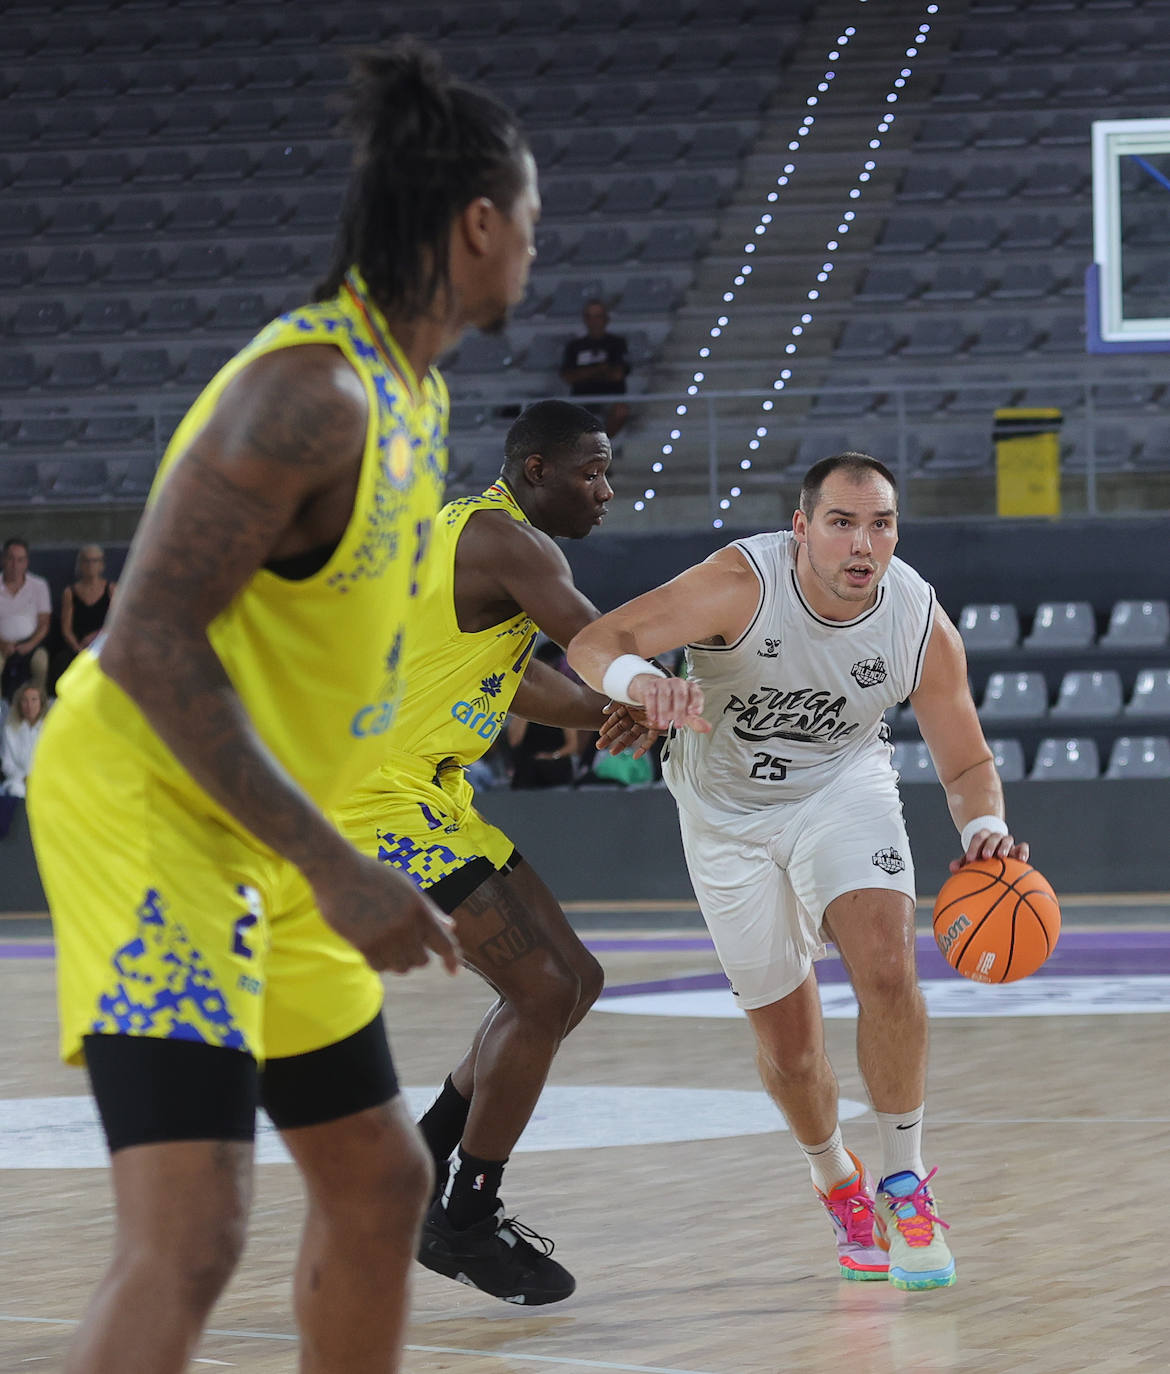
(791, 821)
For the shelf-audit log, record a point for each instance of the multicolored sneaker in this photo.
(908, 1226)
(850, 1208)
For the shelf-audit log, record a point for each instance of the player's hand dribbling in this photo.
(670, 701)
(986, 844)
(379, 911)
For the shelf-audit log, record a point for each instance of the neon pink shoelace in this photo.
(915, 1216)
(855, 1214)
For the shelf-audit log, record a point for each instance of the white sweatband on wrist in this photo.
(621, 672)
(972, 828)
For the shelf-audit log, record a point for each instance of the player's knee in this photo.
(888, 981)
(791, 1062)
(193, 1264)
(549, 997)
(387, 1198)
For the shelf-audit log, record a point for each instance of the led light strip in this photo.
(722, 321)
(831, 247)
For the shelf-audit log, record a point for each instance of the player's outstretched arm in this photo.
(272, 473)
(950, 726)
(711, 602)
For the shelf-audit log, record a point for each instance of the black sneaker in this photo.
(496, 1256)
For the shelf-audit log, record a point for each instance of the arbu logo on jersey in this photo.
(486, 725)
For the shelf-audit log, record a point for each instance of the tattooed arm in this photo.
(273, 473)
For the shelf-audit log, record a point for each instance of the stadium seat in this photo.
(632, 195)
(988, 627)
(1066, 760)
(20, 482)
(1025, 281)
(1086, 695)
(19, 372)
(133, 482)
(589, 149)
(649, 296)
(118, 431)
(143, 368)
(1008, 755)
(1151, 693)
(1144, 756)
(79, 479)
(79, 370)
(113, 316)
(40, 319)
(602, 246)
(1138, 625)
(485, 353)
(934, 337)
(177, 315)
(670, 243)
(954, 281)
(862, 338)
(1004, 336)
(969, 234)
(1062, 625)
(893, 284)
(912, 762)
(1015, 696)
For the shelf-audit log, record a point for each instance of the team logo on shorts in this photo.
(869, 671)
(889, 861)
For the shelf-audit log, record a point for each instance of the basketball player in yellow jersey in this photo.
(495, 577)
(247, 679)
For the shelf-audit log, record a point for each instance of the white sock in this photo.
(900, 1134)
(829, 1161)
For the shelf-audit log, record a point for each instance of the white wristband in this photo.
(972, 828)
(621, 672)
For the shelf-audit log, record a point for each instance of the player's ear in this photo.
(799, 526)
(476, 222)
(534, 469)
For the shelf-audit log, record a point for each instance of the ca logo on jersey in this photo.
(869, 671)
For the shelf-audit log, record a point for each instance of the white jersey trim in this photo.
(920, 661)
(751, 625)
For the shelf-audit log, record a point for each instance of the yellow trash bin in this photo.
(1027, 461)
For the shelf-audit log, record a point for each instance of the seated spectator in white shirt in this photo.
(18, 740)
(25, 612)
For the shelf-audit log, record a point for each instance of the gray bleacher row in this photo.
(1058, 758)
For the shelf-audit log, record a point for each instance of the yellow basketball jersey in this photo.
(318, 662)
(459, 684)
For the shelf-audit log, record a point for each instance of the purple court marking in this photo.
(26, 951)
(1079, 954)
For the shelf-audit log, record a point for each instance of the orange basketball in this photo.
(996, 920)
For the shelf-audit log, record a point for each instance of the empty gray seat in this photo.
(259, 210)
(695, 192)
(926, 183)
(171, 315)
(970, 87)
(989, 626)
(649, 296)
(76, 219)
(866, 339)
(994, 182)
(1033, 231)
(895, 284)
(205, 361)
(721, 143)
(42, 171)
(934, 337)
(240, 310)
(670, 243)
(42, 319)
(79, 370)
(284, 162)
(1004, 335)
(79, 479)
(141, 215)
(589, 148)
(912, 762)
(907, 236)
(656, 148)
(20, 481)
(569, 197)
(46, 433)
(1088, 695)
(1008, 755)
(199, 262)
(198, 213)
(633, 195)
(1144, 756)
(1138, 625)
(485, 353)
(18, 371)
(1067, 759)
(104, 169)
(133, 482)
(956, 281)
(1025, 281)
(1062, 625)
(114, 316)
(960, 450)
(947, 131)
(604, 245)
(16, 270)
(969, 234)
(1151, 693)
(1015, 696)
(1055, 180)
(144, 368)
(570, 295)
(134, 266)
(118, 431)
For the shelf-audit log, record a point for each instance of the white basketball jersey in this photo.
(797, 700)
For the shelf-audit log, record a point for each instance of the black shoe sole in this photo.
(451, 1268)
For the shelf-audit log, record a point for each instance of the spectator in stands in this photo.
(25, 612)
(597, 364)
(18, 741)
(84, 605)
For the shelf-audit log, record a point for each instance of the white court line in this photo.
(417, 1349)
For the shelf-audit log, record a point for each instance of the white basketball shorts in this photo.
(763, 882)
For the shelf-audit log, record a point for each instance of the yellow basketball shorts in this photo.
(171, 924)
(426, 827)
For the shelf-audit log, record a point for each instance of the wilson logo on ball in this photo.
(952, 933)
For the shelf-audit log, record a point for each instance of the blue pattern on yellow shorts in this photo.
(423, 864)
(164, 987)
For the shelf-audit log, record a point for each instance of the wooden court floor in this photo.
(705, 1256)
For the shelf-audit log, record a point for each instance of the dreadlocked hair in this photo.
(425, 147)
